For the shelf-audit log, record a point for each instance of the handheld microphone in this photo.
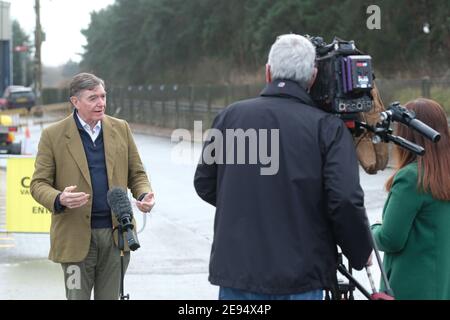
(120, 204)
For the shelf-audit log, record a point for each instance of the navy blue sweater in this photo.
(95, 155)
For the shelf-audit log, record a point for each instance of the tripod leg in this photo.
(121, 275)
(351, 296)
(380, 264)
(122, 254)
(345, 273)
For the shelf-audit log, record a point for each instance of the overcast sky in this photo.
(62, 21)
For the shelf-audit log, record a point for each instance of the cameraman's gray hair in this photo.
(84, 81)
(292, 57)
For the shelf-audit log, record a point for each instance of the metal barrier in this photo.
(178, 106)
(174, 106)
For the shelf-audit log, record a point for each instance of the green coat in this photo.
(61, 162)
(415, 236)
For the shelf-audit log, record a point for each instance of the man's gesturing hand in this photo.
(146, 204)
(71, 199)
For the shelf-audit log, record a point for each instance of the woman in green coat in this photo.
(415, 233)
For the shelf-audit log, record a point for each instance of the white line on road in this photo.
(6, 239)
(7, 246)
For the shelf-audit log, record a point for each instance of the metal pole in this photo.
(37, 56)
(426, 87)
(24, 68)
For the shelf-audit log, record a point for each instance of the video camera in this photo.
(343, 86)
(344, 79)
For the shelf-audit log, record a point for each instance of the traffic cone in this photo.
(26, 146)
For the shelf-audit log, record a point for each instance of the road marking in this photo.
(7, 239)
(6, 246)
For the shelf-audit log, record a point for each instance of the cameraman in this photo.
(275, 236)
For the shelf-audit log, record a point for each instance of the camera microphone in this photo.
(408, 118)
(121, 206)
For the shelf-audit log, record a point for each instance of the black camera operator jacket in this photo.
(277, 234)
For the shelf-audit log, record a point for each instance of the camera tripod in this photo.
(345, 290)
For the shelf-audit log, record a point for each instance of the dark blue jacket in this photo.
(277, 234)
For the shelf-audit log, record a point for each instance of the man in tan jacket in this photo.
(79, 159)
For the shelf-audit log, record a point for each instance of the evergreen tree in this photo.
(178, 41)
(21, 59)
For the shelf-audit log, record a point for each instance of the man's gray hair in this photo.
(292, 57)
(84, 81)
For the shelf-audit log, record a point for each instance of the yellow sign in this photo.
(23, 213)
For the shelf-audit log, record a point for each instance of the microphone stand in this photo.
(122, 254)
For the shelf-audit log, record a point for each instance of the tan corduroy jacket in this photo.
(61, 162)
